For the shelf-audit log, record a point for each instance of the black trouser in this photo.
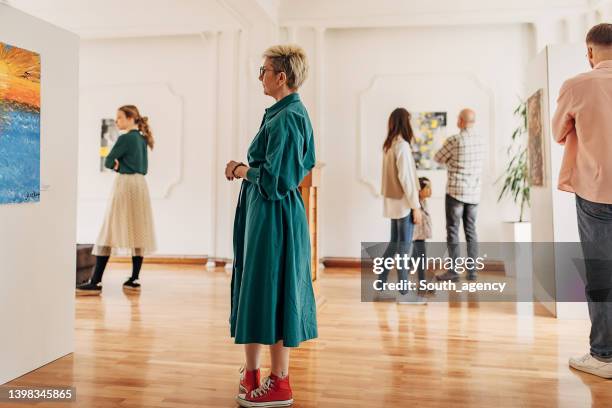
(101, 262)
(455, 212)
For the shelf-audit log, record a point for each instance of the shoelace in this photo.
(584, 358)
(263, 389)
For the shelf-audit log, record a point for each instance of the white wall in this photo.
(541, 197)
(461, 66)
(553, 211)
(564, 62)
(37, 244)
(172, 81)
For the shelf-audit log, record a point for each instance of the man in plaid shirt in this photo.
(462, 155)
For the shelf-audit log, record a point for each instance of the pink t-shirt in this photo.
(583, 123)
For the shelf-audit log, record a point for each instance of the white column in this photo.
(213, 37)
(319, 73)
(320, 106)
(242, 136)
(537, 37)
(575, 31)
(291, 34)
(604, 13)
(227, 89)
(546, 33)
(590, 19)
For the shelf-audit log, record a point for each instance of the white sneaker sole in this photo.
(591, 370)
(244, 403)
(80, 292)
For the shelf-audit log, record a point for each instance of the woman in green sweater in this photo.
(128, 224)
(272, 297)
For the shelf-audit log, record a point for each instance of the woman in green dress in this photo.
(272, 296)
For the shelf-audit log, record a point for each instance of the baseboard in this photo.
(331, 262)
(221, 262)
(166, 259)
(340, 262)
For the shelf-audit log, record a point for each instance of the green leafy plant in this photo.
(516, 177)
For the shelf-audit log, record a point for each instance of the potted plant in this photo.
(516, 176)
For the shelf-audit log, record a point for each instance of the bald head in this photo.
(466, 119)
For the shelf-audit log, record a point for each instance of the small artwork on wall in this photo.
(19, 125)
(429, 134)
(536, 140)
(108, 136)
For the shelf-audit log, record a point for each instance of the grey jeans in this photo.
(456, 211)
(400, 243)
(595, 228)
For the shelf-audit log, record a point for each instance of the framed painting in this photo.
(19, 125)
(536, 141)
(108, 136)
(429, 134)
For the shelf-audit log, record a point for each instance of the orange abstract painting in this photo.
(19, 76)
(19, 125)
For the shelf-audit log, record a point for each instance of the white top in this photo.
(396, 208)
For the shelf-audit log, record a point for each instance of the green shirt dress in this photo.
(272, 296)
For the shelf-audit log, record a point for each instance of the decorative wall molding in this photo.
(243, 22)
(99, 20)
(215, 38)
(363, 175)
(163, 91)
(181, 150)
(434, 19)
(230, 114)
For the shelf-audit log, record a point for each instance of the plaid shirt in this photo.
(463, 155)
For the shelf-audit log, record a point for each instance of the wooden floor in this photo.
(169, 347)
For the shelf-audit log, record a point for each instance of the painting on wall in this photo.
(108, 136)
(536, 141)
(429, 134)
(19, 125)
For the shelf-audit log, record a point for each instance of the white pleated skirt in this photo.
(128, 224)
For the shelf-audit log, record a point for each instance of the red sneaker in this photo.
(249, 380)
(274, 392)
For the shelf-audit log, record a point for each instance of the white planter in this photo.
(518, 232)
(522, 231)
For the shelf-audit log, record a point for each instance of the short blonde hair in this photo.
(290, 59)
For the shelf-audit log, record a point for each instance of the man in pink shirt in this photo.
(583, 124)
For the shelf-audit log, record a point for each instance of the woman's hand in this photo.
(116, 166)
(234, 169)
(241, 171)
(417, 216)
(229, 169)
